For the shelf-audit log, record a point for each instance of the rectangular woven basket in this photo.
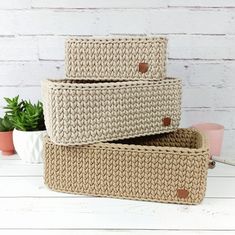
(169, 167)
(108, 58)
(84, 112)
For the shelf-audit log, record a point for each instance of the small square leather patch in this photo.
(166, 121)
(143, 67)
(182, 193)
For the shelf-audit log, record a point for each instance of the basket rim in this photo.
(116, 39)
(84, 83)
(203, 149)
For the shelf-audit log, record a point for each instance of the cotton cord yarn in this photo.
(170, 167)
(82, 112)
(119, 58)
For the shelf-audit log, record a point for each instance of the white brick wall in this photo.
(201, 46)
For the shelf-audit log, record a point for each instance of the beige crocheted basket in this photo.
(166, 168)
(126, 58)
(82, 112)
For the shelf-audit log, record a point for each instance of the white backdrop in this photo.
(201, 46)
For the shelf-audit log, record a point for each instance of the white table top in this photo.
(28, 207)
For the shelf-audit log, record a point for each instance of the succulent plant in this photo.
(24, 115)
(6, 124)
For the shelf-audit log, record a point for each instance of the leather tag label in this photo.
(143, 67)
(182, 193)
(166, 121)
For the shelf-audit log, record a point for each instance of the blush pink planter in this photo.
(6, 143)
(215, 134)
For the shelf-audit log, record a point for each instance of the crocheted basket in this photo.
(169, 167)
(108, 58)
(82, 112)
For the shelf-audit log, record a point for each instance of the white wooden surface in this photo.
(28, 207)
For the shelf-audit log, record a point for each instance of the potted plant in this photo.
(6, 141)
(28, 121)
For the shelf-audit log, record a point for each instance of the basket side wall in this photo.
(91, 115)
(114, 58)
(122, 173)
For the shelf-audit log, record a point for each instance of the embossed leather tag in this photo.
(143, 67)
(182, 193)
(166, 121)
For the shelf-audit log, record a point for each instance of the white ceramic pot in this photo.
(29, 145)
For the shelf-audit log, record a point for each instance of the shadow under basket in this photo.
(168, 167)
(81, 112)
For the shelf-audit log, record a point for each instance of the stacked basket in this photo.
(113, 125)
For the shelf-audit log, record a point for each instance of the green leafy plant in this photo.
(24, 115)
(14, 106)
(6, 124)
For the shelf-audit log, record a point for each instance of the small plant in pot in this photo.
(6, 141)
(28, 121)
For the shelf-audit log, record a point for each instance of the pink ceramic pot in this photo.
(215, 134)
(6, 143)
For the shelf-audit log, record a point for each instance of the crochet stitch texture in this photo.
(119, 58)
(84, 112)
(154, 168)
